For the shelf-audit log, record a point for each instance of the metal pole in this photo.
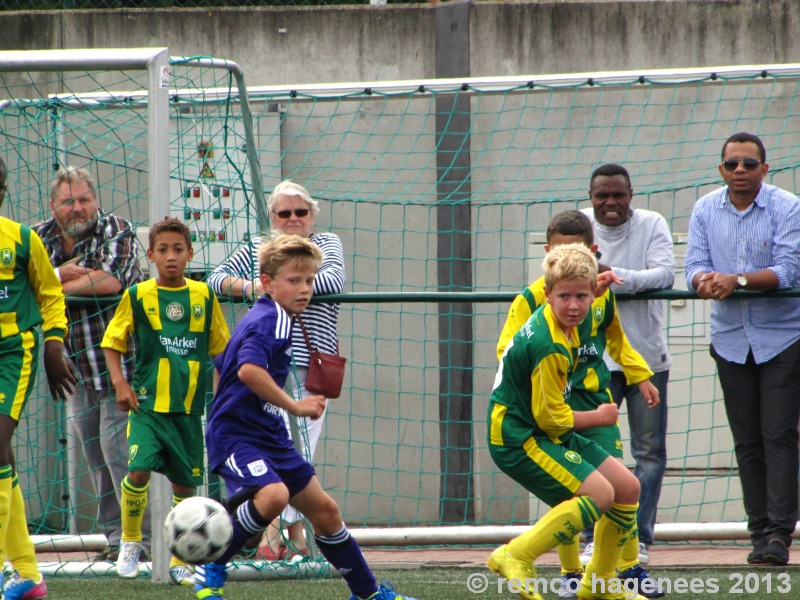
(158, 79)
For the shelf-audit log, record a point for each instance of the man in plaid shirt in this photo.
(95, 254)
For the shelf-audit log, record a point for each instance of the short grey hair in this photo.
(290, 188)
(72, 175)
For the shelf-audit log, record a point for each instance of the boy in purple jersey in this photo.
(247, 441)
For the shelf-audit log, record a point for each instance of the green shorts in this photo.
(167, 443)
(19, 355)
(608, 438)
(551, 472)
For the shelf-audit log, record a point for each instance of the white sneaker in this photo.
(586, 555)
(181, 575)
(644, 553)
(568, 590)
(128, 561)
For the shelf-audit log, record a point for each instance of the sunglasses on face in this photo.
(748, 163)
(298, 212)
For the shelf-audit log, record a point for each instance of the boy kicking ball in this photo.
(532, 438)
(248, 444)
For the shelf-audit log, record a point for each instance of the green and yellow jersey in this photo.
(600, 330)
(30, 292)
(528, 394)
(176, 330)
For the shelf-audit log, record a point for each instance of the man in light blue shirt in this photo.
(746, 235)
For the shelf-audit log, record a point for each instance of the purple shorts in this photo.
(250, 466)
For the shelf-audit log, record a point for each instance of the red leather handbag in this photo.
(325, 371)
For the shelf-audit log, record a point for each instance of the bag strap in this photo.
(308, 339)
(305, 333)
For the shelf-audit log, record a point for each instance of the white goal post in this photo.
(156, 62)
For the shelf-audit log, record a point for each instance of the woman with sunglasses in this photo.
(292, 210)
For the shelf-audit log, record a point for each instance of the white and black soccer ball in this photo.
(198, 530)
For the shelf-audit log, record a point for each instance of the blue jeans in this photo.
(648, 427)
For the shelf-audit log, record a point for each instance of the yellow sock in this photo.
(630, 551)
(6, 472)
(569, 555)
(133, 504)
(19, 546)
(610, 535)
(561, 524)
(174, 561)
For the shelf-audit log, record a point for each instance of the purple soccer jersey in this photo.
(262, 338)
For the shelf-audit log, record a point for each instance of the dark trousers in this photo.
(762, 402)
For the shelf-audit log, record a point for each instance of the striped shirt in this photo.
(320, 319)
(764, 236)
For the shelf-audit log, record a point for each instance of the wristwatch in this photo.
(741, 281)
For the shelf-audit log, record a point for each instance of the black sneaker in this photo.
(756, 556)
(109, 554)
(776, 553)
(638, 581)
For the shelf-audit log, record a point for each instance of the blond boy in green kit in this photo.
(587, 390)
(178, 324)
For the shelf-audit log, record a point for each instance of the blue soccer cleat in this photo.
(385, 592)
(638, 580)
(209, 580)
(19, 588)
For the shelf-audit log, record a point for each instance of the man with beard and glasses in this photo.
(95, 254)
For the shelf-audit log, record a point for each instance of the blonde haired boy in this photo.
(532, 438)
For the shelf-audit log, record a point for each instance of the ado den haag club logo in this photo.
(6, 257)
(175, 311)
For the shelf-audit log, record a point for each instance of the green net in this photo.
(434, 187)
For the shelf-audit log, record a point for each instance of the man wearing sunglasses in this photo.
(746, 235)
(292, 210)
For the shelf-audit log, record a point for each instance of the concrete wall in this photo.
(314, 45)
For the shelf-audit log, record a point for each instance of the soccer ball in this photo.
(198, 530)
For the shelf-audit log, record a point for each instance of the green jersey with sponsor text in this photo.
(30, 293)
(601, 330)
(176, 330)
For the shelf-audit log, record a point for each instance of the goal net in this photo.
(440, 191)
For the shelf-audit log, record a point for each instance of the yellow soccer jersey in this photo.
(30, 292)
(601, 330)
(176, 330)
(528, 394)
